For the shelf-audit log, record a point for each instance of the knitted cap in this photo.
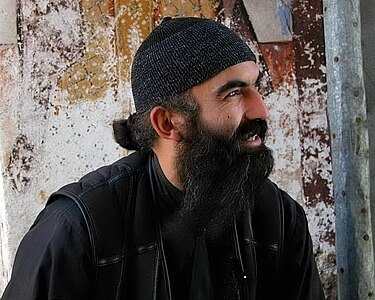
(181, 53)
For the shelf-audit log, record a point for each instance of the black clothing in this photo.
(53, 260)
(126, 257)
(178, 246)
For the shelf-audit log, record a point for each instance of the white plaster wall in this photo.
(9, 104)
(4, 247)
(8, 40)
(46, 140)
(8, 31)
(284, 130)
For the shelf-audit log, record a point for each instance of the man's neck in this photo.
(166, 157)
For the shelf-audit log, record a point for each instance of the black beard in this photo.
(218, 176)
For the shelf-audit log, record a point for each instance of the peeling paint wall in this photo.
(49, 135)
(314, 135)
(9, 107)
(68, 78)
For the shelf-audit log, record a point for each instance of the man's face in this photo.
(229, 101)
(222, 159)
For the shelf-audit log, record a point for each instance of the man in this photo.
(189, 215)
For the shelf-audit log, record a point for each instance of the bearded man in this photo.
(191, 214)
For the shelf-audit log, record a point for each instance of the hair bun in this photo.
(122, 134)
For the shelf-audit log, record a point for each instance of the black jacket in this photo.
(100, 238)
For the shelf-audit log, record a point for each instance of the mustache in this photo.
(250, 128)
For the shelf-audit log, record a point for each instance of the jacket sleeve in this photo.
(301, 278)
(53, 260)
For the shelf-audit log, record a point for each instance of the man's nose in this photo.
(255, 107)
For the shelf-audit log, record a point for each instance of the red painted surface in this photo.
(310, 62)
(279, 58)
(314, 137)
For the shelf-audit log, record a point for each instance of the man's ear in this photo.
(166, 123)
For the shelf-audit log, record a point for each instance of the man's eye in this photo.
(233, 93)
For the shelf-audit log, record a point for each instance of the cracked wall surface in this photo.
(67, 78)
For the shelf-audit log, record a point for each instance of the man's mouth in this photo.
(251, 141)
(249, 137)
(251, 131)
(252, 138)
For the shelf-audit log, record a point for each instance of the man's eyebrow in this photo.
(229, 85)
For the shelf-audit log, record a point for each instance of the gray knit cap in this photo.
(181, 53)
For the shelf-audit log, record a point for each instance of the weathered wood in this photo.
(368, 50)
(350, 149)
(271, 20)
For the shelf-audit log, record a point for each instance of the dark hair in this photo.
(136, 132)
